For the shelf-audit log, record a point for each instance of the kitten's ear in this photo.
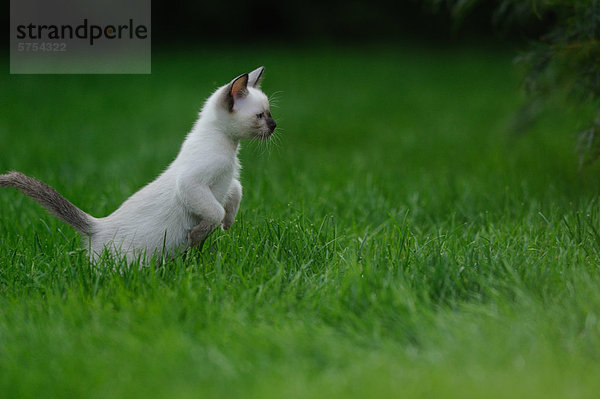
(238, 88)
(256, 76)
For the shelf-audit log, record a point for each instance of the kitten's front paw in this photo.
(227, 223)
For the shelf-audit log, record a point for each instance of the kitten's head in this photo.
(246, 107)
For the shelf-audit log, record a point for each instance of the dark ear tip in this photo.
(242, 76)
(242, 79)
(257, 76)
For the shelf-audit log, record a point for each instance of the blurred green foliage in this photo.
(563, 59)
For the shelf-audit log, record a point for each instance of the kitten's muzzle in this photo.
(271, 124)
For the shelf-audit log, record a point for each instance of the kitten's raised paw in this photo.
(226, 225)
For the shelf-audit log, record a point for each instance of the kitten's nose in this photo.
(271, 124)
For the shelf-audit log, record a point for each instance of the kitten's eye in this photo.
(260, 116)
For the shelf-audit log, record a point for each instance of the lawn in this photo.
(395, 239)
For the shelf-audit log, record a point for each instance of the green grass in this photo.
(394, 241)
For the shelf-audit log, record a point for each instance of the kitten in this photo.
(199, 191)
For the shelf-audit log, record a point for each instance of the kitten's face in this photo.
(253, 115)
(248, 107)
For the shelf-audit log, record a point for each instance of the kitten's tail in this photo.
(50, 199)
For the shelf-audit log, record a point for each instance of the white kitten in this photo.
(199, 191)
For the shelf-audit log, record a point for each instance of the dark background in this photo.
(339, 21)
(235, 21)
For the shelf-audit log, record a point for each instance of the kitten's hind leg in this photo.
(198, 234)
(203, 204)
(232, 205)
